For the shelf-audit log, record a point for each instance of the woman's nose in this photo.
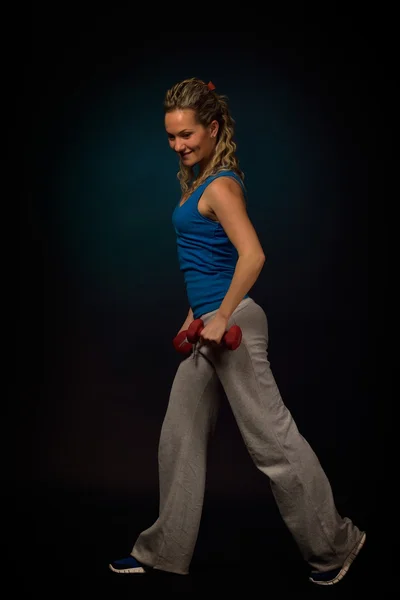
(179, 146)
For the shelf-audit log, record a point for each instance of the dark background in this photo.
(101, 296)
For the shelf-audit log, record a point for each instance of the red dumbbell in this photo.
(231, 338)
(181, 344)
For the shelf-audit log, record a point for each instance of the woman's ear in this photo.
(214, 126)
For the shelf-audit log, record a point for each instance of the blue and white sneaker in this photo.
(331, 577)
(127, 565)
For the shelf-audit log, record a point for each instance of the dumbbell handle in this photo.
(231, 338)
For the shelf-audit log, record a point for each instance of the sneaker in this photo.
(127, 565)
(331, 577)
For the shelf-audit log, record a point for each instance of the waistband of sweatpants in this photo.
(242, 304)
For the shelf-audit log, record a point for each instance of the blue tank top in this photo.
(207, 257)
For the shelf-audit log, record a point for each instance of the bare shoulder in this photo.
(225, 185)
(226, 200)
(224, 190)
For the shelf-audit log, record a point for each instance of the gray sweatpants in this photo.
(298, 482)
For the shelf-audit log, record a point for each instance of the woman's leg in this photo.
(298, 482)
(189, 421)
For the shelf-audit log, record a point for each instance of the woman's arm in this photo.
(225, 197)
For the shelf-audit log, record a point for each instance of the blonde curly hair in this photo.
(207, 105)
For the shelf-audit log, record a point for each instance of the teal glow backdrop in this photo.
(111, 296)
(116, 187)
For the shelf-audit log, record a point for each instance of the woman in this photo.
(221, 258)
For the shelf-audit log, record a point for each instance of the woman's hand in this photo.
(214, 331)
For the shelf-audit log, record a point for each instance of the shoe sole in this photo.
(346, 566)
(133, 570)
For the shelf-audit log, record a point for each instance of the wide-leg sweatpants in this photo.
(298, 482)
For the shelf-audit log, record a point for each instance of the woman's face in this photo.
(193, 142)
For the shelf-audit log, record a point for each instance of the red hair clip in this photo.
(210, 85)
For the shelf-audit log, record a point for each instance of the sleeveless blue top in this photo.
(207, 257)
